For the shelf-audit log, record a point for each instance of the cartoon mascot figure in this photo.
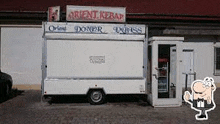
(202, 97)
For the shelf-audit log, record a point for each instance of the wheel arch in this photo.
(98, 88)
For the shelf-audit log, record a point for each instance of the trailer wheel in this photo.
(6, 91)
(96, 97)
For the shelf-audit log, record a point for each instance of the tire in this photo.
(6, 91)
(96, 97)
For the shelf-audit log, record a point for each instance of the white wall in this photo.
(21, 54)
(203, 59)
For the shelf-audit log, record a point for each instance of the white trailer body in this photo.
(79, 57)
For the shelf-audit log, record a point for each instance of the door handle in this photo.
(155, 76)
(172, 85)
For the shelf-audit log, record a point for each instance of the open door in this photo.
(165, 71)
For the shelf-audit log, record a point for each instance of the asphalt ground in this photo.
(25, 107)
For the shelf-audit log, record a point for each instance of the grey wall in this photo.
(21, 54)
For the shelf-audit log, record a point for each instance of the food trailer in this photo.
(94, 59)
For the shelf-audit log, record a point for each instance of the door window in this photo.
(166, 71)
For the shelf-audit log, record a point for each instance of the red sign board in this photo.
(89, 13)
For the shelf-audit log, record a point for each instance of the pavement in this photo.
(26, 108)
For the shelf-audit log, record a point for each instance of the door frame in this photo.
(166, 102)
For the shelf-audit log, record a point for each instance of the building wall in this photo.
(203, 59)
(21, 55)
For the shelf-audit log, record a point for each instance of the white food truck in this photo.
(98, 59)
(94, 59)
